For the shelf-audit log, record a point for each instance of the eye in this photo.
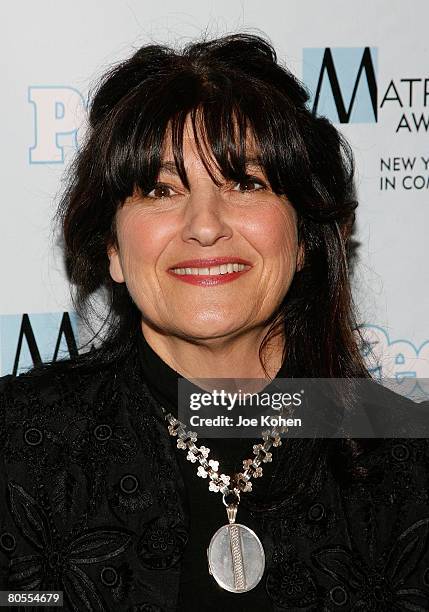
(159, 191)
(248, 185)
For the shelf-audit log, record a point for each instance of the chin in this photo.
(207, 328)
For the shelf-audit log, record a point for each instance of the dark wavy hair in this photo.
(226, 86)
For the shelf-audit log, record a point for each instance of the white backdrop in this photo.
(52, 52)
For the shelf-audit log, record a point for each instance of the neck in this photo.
(236, 357)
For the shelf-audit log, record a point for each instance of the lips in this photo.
(211, 271)
(207, 263)
(208, 280)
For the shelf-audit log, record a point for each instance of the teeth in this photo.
(212, 271)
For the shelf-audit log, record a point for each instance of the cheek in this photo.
(140, 241)
(275, 234)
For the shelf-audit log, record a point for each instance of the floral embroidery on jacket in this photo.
(290, 582)
(382, 586)
(57, 563)
(162, 543)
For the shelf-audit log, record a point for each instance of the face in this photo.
(169, 243)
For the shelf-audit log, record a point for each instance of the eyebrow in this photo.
(169, 167)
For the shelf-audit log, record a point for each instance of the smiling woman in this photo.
(212, 212)
(212, 153)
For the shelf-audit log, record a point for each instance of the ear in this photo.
(115, 266)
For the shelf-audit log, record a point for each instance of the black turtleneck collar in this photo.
(162, 379)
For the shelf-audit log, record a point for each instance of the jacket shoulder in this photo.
(57, 393)
(51, 381)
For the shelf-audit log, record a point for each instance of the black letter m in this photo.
(26, 331)
(328, 65)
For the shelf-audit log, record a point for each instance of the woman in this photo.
(212, 211)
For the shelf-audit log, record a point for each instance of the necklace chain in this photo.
(209, 468)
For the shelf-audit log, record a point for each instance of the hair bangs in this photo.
(228, 133)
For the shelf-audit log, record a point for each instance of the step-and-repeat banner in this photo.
(366, 65)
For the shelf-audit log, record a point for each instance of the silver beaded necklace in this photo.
(236, 557)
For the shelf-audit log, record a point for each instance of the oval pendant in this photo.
(236, 558)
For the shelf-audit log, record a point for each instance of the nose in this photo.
(204, 217)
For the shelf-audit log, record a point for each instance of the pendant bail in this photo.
(231, 499)
(232, 513)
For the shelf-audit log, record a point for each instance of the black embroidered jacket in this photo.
(93, 503)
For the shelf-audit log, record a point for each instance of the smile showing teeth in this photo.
(212, 271)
